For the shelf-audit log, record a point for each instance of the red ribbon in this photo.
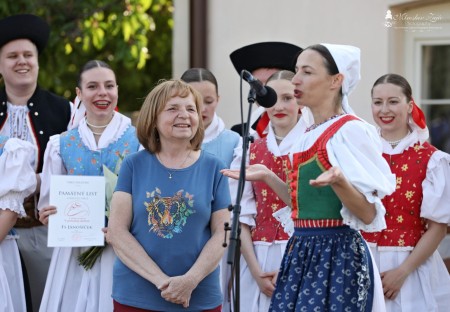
(262, 124)
(418, 116)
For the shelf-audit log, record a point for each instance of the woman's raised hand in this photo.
(329, 177)
(255, 172)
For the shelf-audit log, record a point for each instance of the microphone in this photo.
(265, 96)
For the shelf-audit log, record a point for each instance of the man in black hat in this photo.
(263, 59)
(31, 114)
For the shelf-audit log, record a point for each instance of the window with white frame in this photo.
(425, 43)
(435, 92)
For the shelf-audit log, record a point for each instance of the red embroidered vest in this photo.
(404, 225)
(268, 229)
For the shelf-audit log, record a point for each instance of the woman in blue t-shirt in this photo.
(168, 211)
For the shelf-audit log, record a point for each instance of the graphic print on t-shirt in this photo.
(168, 215)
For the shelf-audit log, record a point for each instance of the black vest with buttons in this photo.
(49, 115)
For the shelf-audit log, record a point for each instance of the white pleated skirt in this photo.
(12, 293)
(269, 259)
(69, 287)
(425, 289)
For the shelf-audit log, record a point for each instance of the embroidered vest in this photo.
(404, 225)
(79, 160)
(268, 229)
(315, 203)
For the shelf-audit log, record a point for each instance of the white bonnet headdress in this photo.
(348, 61)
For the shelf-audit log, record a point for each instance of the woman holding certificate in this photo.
(18, 181)
(168, 210)
(101, 139)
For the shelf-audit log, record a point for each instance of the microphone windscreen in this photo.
(269, 99)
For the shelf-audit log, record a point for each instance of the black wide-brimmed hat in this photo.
(24, 26)
(265, 55)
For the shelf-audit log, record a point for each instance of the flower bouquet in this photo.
(88, 258)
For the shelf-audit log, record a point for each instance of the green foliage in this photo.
(133, 36)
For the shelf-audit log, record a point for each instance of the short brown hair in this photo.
(154, 104)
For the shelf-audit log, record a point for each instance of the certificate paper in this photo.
(80, 215)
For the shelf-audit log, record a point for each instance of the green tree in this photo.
(133, 36)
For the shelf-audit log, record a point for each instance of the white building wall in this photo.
(235, 23)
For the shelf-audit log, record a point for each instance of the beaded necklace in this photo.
(96, 127)
(314, 126)
(395, 143)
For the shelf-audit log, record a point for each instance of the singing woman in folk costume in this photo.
(335, 187)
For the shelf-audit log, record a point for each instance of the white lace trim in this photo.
(378, 223)
(284, 217)
(13, 201)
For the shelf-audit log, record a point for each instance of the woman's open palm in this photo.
(255, 172)
(331, 176)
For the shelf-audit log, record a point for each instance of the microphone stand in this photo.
(234, 253)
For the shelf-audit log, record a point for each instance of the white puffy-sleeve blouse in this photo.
(18, 178)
